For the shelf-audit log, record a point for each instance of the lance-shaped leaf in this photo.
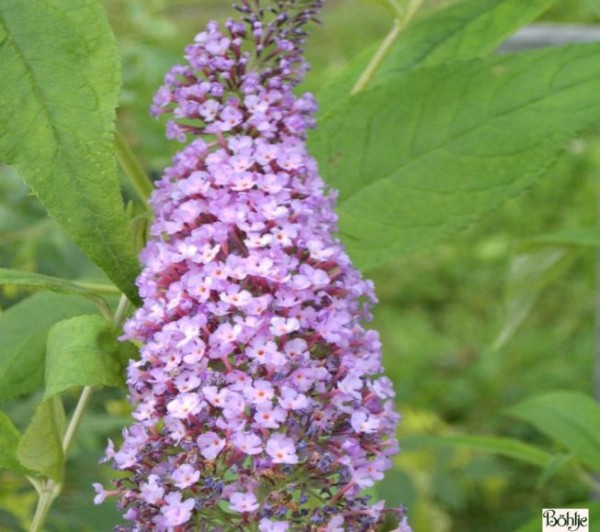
(570, 418)
(424, 155)
(528, 276)
(23, 330)
(500, 446)
(40, 448)
(9, 439)
(84, 351)
(60, 86)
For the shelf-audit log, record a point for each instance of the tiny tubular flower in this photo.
(243, 502)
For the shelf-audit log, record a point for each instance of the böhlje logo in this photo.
(565, 520)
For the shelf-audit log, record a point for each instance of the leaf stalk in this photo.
(133, 169)
(400, 24)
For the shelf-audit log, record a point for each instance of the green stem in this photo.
(133, 169)
(399, 25)
(84, 399)
(49, 492)
(121, 311)
(51, 489)
(102, 305)
(95, 296)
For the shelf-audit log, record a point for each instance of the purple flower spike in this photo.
(258, 399)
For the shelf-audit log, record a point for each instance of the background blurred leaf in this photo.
(552, 468)
(528, 275)
(30, 241)
(23, 329)
(463, 31)
(84, 351)
(580, 236)
(423, 156)
(501, 446)
(61, 85)
(570, 418)
(594, 4)
(393, 7)
(40, 448)
(9, 439)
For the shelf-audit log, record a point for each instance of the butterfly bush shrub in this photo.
(258, 398)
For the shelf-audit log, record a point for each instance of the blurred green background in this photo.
(469, 328)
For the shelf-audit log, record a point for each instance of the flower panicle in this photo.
(258, 397)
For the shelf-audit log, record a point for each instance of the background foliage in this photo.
(471, 326)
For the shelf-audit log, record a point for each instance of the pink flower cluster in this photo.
(258, 399)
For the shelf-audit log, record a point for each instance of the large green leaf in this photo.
(23, 331)
(60, 87)
(54, 284)
(467, 30)
(423, 155)
(570, 418)
(40, 448)
(84, 351)
(9, 439)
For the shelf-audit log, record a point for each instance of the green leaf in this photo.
(594, 5)
(54, 284)
(508, 447)
(570, 418)
(9, 439)
(557, 463)
(528, 276)
(84, 351)
(40, 448)
(393, 7)
(463, 31)
(23, 330)
(60, 87)
(580, 236)
(424, 155)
